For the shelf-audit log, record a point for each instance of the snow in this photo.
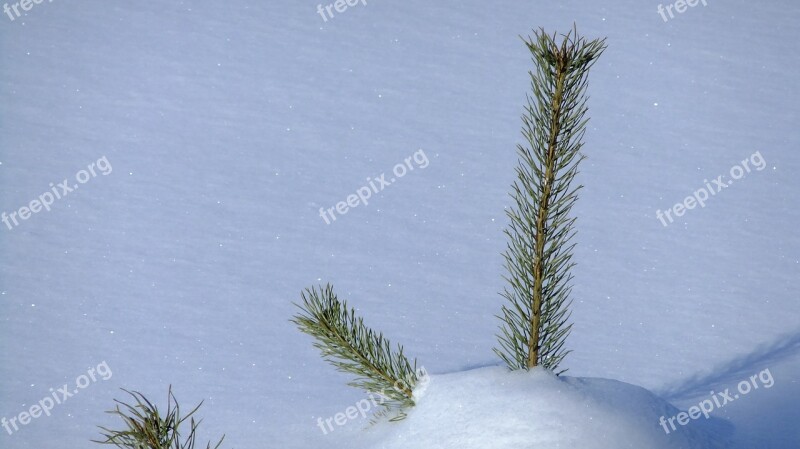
(228, 125)
(491, 407)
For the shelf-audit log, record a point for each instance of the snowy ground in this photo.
(227, 125)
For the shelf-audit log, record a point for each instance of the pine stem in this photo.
(364, 359)
(541, 219)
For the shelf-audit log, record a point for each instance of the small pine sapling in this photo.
(352, 347)
(146, 427)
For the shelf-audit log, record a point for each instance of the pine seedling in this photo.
(147, 428)
(538, 255)
(354, 348)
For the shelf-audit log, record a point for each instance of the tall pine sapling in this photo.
(538, 256)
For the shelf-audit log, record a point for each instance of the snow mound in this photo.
(494, 408)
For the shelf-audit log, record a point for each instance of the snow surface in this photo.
(229, 124)
(490, 407)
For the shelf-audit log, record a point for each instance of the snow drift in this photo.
(495, 408)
